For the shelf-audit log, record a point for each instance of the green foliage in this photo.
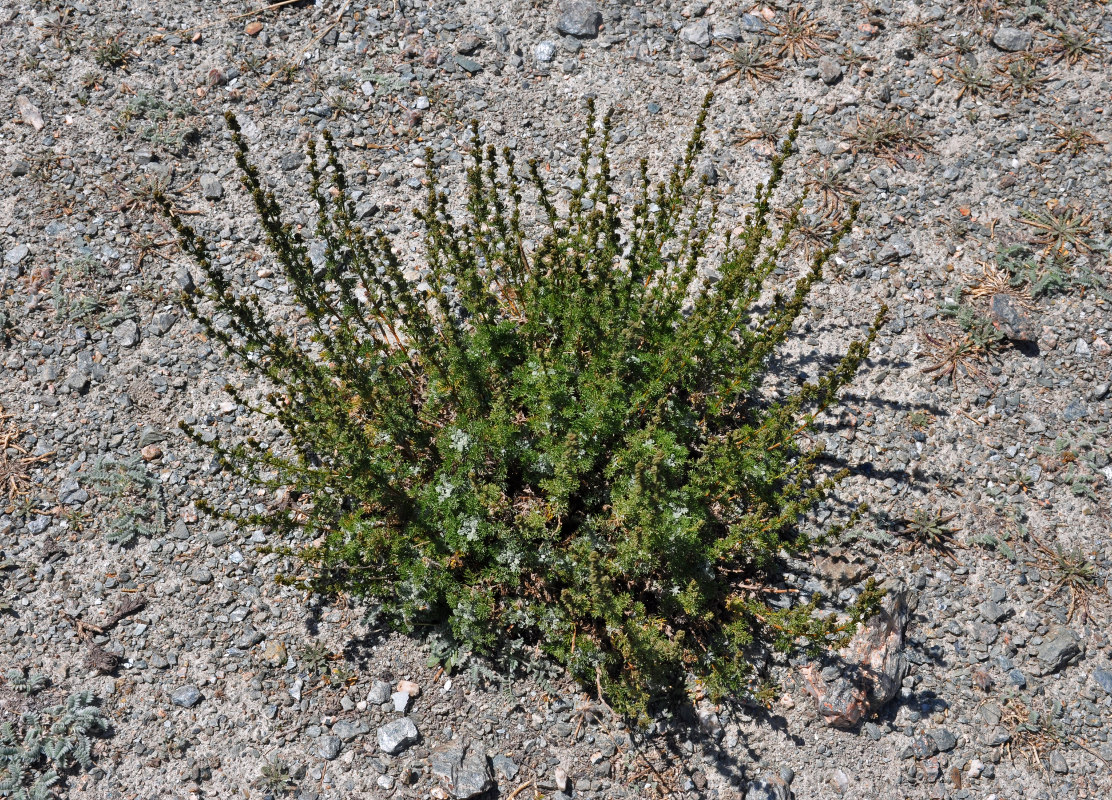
(1047, 273)
(41, 745)
(135, 499)
(168, 124)
(555, 430)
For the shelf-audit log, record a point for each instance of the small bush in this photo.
(567, 442)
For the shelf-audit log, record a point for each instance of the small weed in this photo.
(584, 713)
(15, 462)
(961, 45)
(1032, 732)
(889, 137)
(920, 420)
(1021, 78)
(930, 530)
(750, 61)
(1074, 46)
(315, 658)
(996, 281)
(830, 186)
(60, 28)
(111, 53)
(1046, 273)
(799, 36)
(1069, 570)
(275, 778)
(962, 355)
(971, 81)
(1073, 140)
(1062, 225)
(136, 504)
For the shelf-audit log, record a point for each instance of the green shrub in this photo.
(565, 444)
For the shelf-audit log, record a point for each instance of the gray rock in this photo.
(162, 323)
(769, 787)
(20, 168)
(126, 333)
(201, 575)
(1011, 40)
(468, 65)
(78, 381)
(1100, 391)
(379, 694)
(1058, 763)
(1010, 321)
(329, 747)
(579, 19)
(185, 282)
(505, 766)
(544, 52)
(944, 739)
(751, 23)
(348, 730)
(396, 736)
(1074, 411)
(1017, 678)
(895, 249)
(697, 33)
(1059, 648)
(829, 70)
(464, 768)
(401, 701)
(1103, 679)
(210, 187)
(706, 169)
(291, 161)
(17, 254)
(992, 612)
(186, 697)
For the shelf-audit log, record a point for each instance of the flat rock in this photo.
(1011, 40)
(579, 19)
(697, 33)
(329, 747)
(126, 333)
(1060, 647)
(464, 769)
(211, 188)
(30, 112)
(396, 736)
(1103, 679)
(874, 667)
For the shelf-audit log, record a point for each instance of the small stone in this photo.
(185, 282)
(1011, 40)
(468, 44)
(396, 736)
(468, 65)
(829, 70)
(992, 612)
(211, 188)
(1009, 320)
(464, 768)
(769, 787)
(17, 254)
(329, 747)
(291, 161)
(1059, 648)
(751, 23)
(545, 52)
(579, 19)
(201, 575)
(1017, 678)
(409, 687)
(78, 381)
(1074, 411)
(275, 653)
(944, 739)
(385, 782)
(162, 323)
(976, 767)
(20, 168)
(379, 694)
(697, 33)
(560, 778)
(151, 452)
(347, 730)
(505, 766)
(706, 170)
(924, 746)
(186, 697)
(421, 103)
(1058, 763)
(30, 112)
(253, 28)
(1103, 679)
(401, 701)
(126, 333)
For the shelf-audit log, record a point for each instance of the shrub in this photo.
(567, 444)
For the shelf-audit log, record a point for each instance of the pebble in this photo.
(329, 747)
(697, 33)
(545, 52)
(1011, 40)
(211, 189)
(126, 333)
(829, 70)
(1061, 647)
(1010, 321)
(17, 254)
(186, 697)
(396, 736)
(379, 694)
(463, 769)
(1103, 679)
(771, 787)
(579, 19)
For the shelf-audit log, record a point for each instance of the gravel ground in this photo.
(964, 130)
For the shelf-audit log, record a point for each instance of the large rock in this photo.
(873, 667)
(464, 768)
(579, 19)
